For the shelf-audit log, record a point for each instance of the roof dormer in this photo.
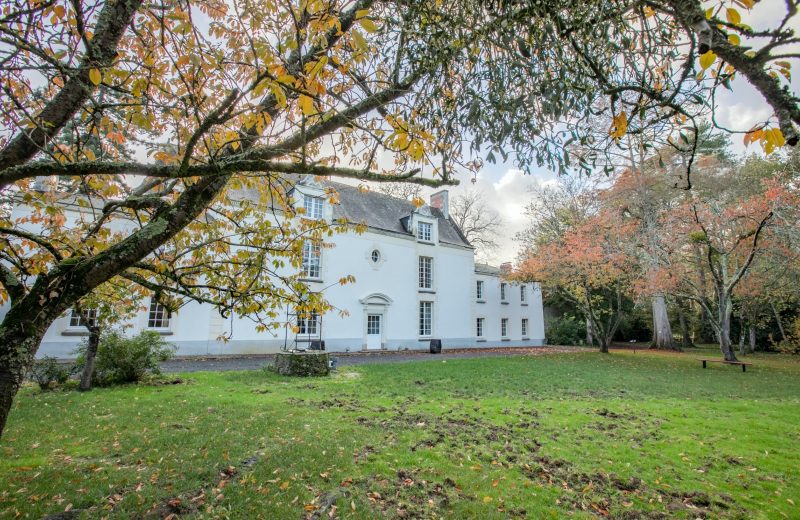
(311, 195)
(423, 225)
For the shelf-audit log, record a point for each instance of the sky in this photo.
(507, 190)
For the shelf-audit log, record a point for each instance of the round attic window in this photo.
(376, 256)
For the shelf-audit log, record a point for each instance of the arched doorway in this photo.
(376, 314)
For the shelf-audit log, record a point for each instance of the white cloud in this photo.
(507, 195)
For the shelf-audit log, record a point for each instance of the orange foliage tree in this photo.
(589, 267)
(732, 230)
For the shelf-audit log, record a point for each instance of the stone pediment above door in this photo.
(376, 299)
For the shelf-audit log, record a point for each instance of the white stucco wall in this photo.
(389, 287)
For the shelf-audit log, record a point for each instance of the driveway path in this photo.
(223, 363)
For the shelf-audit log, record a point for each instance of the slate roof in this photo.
(376, 210)
(386, 213)
(488, 269)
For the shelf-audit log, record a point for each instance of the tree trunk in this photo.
(686, 338)
(604, 344)
(91, 354)
(589, 332)
(662, 330)
(19, 340)
(706, 332)
(724, 332)
(741, 331)
(752, 338)
(779, 320)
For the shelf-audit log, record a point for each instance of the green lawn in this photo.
(631, 435)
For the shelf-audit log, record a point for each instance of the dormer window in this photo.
(313, 207)
(425, 231)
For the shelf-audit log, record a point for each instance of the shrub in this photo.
(565, 330)
(122, 359)
(791, 345)
(49, 373)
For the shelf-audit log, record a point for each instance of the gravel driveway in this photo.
(223, 363)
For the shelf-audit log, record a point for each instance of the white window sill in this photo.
(313, 280)
(504, 302)
(526, 337)
(75, 332)
(163, 332)
(428, 291)
(425, 338)
(524, 304)
(427, 242)
(480, 301)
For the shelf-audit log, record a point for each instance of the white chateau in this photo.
(416, 281)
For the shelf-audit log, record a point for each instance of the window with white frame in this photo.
(425, 231)
(522, 294)
(479, 290)
(373, 324)
(313, 207)
(504, 327)
(502, 292)
(308, 325)
(311, 259)
(524, 327)
(479, 327)
(425, 318)
(89, 315)
(425, 272)
(159, 316)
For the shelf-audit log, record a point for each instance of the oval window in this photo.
(376, 255)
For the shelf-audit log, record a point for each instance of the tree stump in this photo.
(303, 364)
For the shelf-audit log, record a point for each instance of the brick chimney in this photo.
(505, 267)
(441, 201)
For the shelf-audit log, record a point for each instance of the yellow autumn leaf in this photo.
(752, 136)
(306, 105)
(418, 202)
(707, 59)
(368, 25)
(733, 16)
(359, 41)
(619, 125)
(487, 499)
(361, 13)
(778, 137)
(95, 77)
(734, 39)
(59, 11)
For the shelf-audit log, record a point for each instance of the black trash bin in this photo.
(436, 346)
(317, 344)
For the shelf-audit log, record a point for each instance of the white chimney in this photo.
(441, 201)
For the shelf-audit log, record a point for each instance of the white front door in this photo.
(374, 331)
